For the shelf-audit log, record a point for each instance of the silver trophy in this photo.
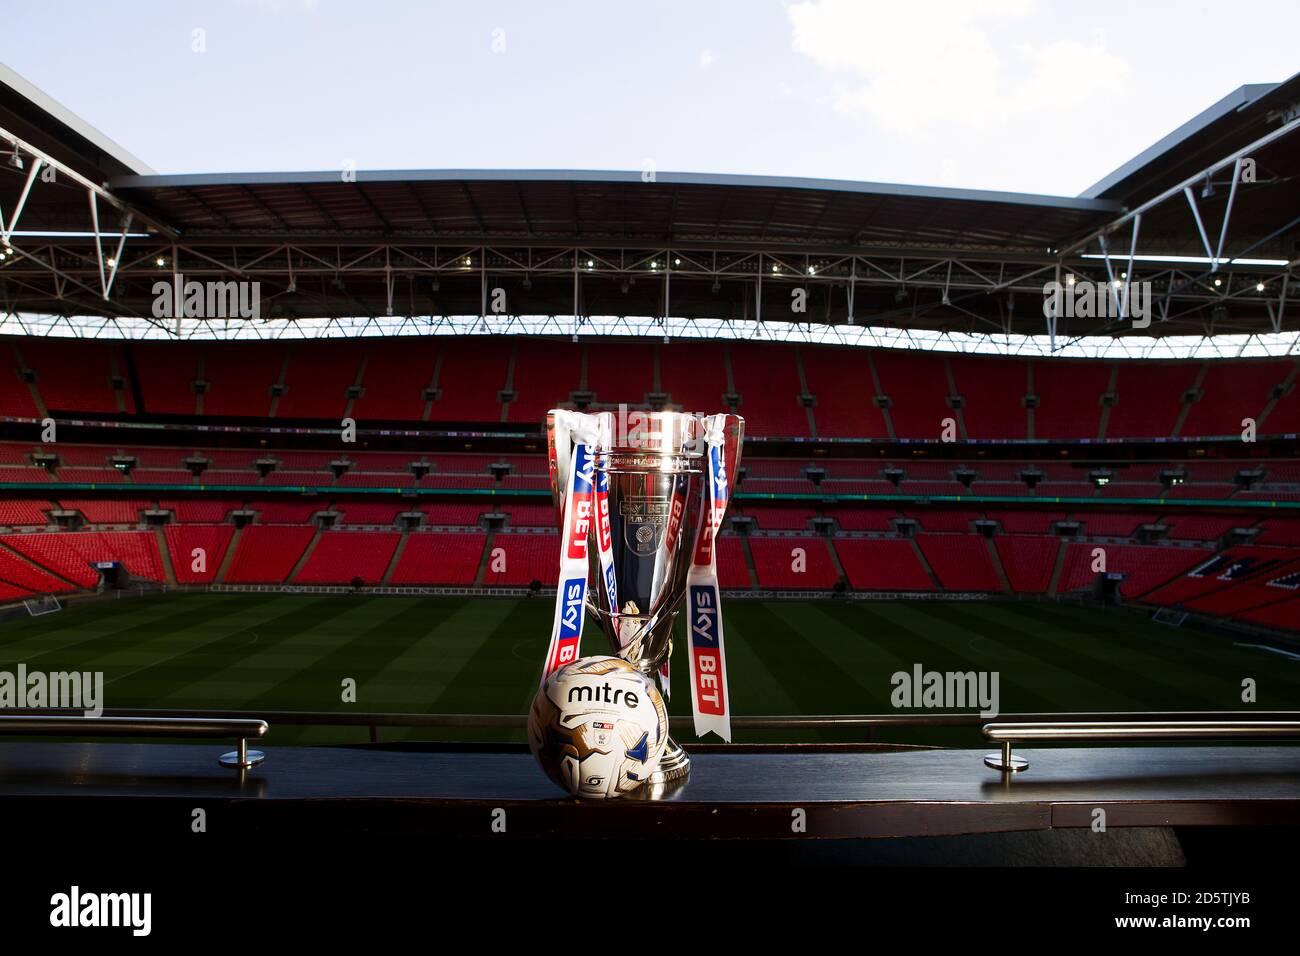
(655, 464)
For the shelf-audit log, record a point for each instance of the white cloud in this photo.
(916, 68)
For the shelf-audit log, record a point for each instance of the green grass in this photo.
(457, 655)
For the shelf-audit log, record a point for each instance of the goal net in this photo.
(1167, 615)
(45, 604)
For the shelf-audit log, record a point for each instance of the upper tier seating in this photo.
(473, 378)
(76, 375)
(767, 379)
(993, 392)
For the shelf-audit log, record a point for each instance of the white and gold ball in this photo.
(598, 727)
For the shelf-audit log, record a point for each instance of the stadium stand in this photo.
(24, 513)
(840, 380)
(1028, 561)
(25, 577)
(766, 377)
(1231, 391)
(166, 374)
(15, 394)
(800, 563)
(880, 545)
(533, 384)
(72, 556)
(77, 375)
(733, 571)
(240, 377)
(394, 382)
(121, 511)
(470, 381)
(695, 376)
(1149, 398)
(197, 551)
(316, 381)
(616, 375)
(882, 565)
(340, 557)
(916, 385)
(1144, 567)
(993, 392)
(443, 558)
(1068, 397)
(360, 512)
(960, 561)
(519, 559)
(267, 555)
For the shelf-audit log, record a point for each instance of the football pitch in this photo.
(267, 652)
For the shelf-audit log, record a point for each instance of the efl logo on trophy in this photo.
(652, 498)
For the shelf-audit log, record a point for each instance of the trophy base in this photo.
(674, 765)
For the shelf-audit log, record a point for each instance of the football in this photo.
(598, 727)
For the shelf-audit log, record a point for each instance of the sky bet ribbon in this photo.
(673, 536)
(709, 699)
(605, 547)
(586, 508)
(570, 598)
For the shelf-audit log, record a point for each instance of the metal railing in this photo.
(1166, 725)
(153, 724)
(868, 722)
(1202, 727)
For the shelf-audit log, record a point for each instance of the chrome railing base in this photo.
(243, 758)
(235, 762)
(1005, 761)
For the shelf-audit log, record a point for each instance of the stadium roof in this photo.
(683, 245)
(47, 124)
(610, 206)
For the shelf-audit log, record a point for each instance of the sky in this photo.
(1021, 95)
